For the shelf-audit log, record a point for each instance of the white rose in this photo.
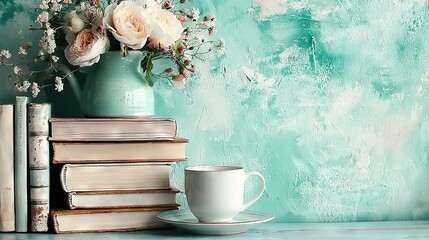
(166, 28)
(86, 48)
(74, 22)
(97, 27)
(129, 23)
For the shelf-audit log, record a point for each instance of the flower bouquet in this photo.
(80, 31)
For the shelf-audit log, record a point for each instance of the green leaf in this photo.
(125, 51)
(148, 72)
(107, 47)
(176, 45)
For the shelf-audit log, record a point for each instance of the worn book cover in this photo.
(38, 163)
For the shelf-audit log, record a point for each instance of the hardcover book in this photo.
(109, 177)
(38, 161)
(99, 152)
(122, 199)
(7, 192)
(106, 220)
(113, 129)
(21, 166)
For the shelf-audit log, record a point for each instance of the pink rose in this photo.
(85, 50)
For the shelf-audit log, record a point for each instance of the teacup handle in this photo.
(261, 190)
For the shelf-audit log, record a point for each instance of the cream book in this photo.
(109, 177)
(113, 129)
(105, 152)
(7, 189)
(106, 220)
(122, 199)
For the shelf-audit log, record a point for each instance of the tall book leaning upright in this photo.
(38, 161)
(21, 185)
(7, 198)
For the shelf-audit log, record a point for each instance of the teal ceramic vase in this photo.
(115, 87)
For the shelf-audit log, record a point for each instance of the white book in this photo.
(7, 193)
(115, 176)
(122, 199)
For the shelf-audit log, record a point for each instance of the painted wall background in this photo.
(327, 98)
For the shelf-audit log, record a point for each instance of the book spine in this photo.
(21, 201)
(63, 177)
(7, 198)
(70, 200)
(38, 155)
(54, 222)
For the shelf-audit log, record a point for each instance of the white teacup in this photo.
(216, 193)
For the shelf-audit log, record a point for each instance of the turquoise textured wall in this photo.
(327, 98)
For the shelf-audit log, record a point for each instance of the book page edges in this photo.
(73, 207)
(55, 213)
(71, 195)
(148, 119)
(119, 161)
(168, 190)
(109, 210)
(65, 152)
(67, 167)
(115, 140)
(159, 225)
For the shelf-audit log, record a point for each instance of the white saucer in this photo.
(185, 220)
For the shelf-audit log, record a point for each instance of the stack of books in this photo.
(84, 174)
(112, 174)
